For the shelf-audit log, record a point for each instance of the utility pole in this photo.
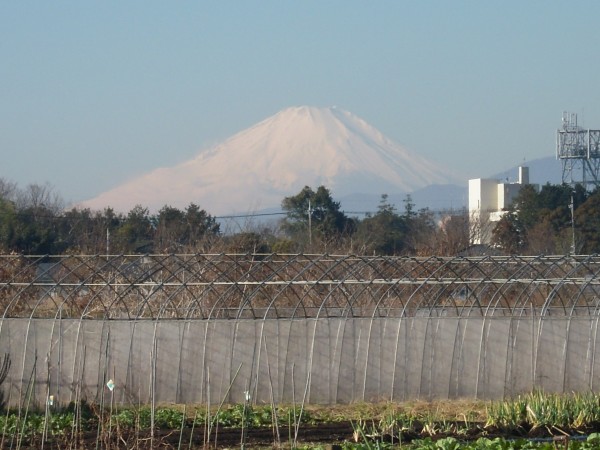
(309, 224)
(107, 242)
(572, 207)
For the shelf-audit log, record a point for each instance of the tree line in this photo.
(556, 219)
(34, 221)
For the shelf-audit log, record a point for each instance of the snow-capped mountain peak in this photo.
(257, 167)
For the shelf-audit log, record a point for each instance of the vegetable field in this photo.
(126, 335)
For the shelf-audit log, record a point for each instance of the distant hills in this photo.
(436, 197)
(541, 171)
(455, 196)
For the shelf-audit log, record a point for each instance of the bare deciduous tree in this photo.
(8, 189)
(39, 196)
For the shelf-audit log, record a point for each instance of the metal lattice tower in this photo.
(579, 151)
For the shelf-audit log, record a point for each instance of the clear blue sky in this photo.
(94, 93)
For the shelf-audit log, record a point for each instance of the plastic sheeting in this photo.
(318, 329)
(329, 360)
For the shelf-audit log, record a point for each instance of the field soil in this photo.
(329, 427)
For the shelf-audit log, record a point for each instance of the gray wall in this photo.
(335, 360)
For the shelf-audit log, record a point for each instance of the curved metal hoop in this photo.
(263, 286)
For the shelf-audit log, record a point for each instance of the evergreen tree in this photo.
(385, 232)
(135, 234)
(587, 222)
(315, 216)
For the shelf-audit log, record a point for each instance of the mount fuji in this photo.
(300, 146)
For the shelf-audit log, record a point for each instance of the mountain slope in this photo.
(541, 171)
(258, 167)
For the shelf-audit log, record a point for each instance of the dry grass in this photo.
(453, 410)
(448, 410)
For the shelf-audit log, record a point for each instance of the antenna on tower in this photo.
(579, 151)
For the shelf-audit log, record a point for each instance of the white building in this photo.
(488, 201)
